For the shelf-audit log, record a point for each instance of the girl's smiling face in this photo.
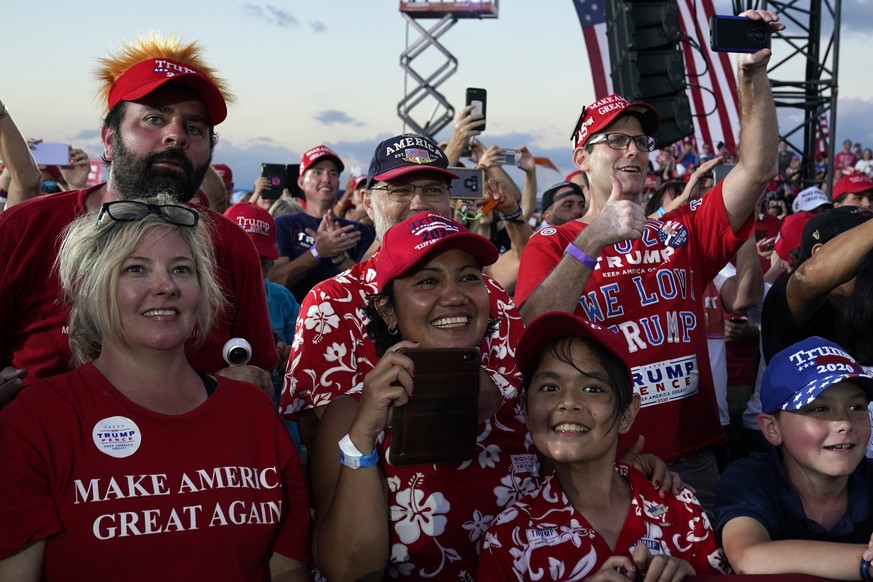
(571, 407)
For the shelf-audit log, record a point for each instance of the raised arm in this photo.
(465, 128)
(759, 133)
(830, 266)
(529, 190)
(15, 153)
(691, 187)
(505, 270)
(746, 288)
(351, 505)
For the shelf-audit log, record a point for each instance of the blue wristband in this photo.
(865, 569)
(354, 459)
(661, 211)
(581, 256)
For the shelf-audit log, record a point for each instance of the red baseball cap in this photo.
(420, 236)
(852, 184)
(549, 327)
(145, 77)
(259, 225)
(316, 154)
(225, 172)
(790, 234)
(602, 113)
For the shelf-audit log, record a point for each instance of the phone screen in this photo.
(277, 175)
(737, 34)
(478, 98)
(51, 154)
(470, 185)
(439, 422)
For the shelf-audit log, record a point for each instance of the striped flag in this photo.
(592, 17)
(712, 85)
(822, 132)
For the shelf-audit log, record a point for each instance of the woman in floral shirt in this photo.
(431, 294)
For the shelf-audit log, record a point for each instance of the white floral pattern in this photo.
(439, 514)
(543, 536)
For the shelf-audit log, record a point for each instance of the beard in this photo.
(134, 177)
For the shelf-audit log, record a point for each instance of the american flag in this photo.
(712, 85)
(822, 132)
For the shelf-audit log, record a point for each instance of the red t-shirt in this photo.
(544, 537)
(34, 320)
(651, 289)
(118, 491)
(845, 160)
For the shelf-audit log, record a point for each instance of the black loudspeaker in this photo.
(647, 62)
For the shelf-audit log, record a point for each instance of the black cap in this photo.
(549, 195)
(831, 223)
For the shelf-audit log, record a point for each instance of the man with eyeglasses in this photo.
(645, 279)
(332, 353)
(315, 245)
(163, 102)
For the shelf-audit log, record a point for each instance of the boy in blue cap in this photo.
(805, 507)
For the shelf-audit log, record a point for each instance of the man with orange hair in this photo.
(163, 103)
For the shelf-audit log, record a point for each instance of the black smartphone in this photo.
(478, 98)
(438, 424)
(470, 185)
(720, 172)
(292, 171)
(738, 34)
(278, 176)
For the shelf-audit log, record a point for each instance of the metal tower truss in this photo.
(425, 92)
(803, 74)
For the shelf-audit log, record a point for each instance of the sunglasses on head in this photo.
(132, 211)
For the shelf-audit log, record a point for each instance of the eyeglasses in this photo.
(132, 210)
(405, 192)
(621, 141)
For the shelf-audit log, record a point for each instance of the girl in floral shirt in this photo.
(592, 519)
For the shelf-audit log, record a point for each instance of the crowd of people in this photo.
(657, 370)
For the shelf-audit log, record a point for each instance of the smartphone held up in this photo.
(738, 34)
(478, 98)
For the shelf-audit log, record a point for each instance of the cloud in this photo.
(318, 26)
(854, 13)
(245, 158)
(283, 19)
(854, 120)
(271, 15)
(333, 117)
(87, 135)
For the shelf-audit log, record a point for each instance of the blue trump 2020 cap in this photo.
(800, 373)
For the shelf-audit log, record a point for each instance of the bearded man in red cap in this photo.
(646, 278)
(163, 102)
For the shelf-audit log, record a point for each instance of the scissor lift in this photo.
(423, 98)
